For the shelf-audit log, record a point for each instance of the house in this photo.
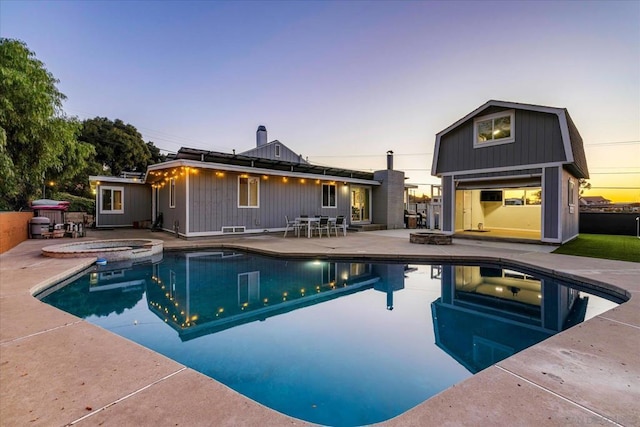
(513, 169)
(123, 201)
(486, 313)
(251, 288)
(594, 201)
(200, 193)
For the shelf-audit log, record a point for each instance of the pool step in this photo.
(140, 250)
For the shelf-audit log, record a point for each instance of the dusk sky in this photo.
(344, 82)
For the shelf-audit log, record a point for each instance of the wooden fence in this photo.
(14, 229)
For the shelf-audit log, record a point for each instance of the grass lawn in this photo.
(623, 248)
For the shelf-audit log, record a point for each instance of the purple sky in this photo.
(343, 82)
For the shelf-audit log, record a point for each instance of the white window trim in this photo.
(277, 149)
(335, 186)
(172, 193)
(257, 196)
(112, 189)
(500, 141)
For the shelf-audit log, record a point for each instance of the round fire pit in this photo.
(427, 238)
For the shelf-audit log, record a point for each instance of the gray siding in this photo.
(448, 203)
(388, 199)
(213, 202)
(268, 151)
(550, 203)
(137, 206)
(537, 140)
(569, 208)
(173, 217)
(490, 175)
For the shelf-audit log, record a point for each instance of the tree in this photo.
(37, 140)
(584, 185)
(119, 146)
(156, 156)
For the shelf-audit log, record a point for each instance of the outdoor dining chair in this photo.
(292, 224)
(320, 226)
(340, 223)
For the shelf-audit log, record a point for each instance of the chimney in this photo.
(389, 160)
(261, 136)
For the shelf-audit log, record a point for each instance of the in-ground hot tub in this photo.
(109, 250)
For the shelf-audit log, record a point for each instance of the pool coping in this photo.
(109, 250)
(565, 380)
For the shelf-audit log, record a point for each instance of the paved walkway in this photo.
(56, 369)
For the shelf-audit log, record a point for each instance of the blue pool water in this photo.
(335, 343)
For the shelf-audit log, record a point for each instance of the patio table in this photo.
(310, 220)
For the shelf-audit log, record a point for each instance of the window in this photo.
(111, 200)
(329, 196)
(172, 193)
(572, 190)
(494, 129)
(530, 197)
(248, 188)
(277, 150)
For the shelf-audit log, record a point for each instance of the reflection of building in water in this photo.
(105, 290)
(486, 314)
(392, 276)
(206, 292)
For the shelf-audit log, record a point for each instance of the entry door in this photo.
(466, 210)
(360, 204)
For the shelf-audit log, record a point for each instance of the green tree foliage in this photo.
(584, 185)
(77, 203)
(119, 146)
(37, 141)
(156, 156)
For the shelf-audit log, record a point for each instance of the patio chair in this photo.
(340, 223)
(292, 224)
(321, 225)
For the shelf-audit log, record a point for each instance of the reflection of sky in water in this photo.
(597, 305)
(345, 361)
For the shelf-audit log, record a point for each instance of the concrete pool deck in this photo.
(56, 369)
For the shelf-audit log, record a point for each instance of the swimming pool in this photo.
(336, 343)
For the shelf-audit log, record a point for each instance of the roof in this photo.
(574, 149)
(590, 200)
(264, 150)
(117, 179)
(251, 164)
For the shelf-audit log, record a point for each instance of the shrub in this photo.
(78, 204)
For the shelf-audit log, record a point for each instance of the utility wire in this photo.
(168, 137)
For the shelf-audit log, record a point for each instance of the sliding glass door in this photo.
(360, 204)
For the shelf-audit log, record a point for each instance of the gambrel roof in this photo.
(574, 158)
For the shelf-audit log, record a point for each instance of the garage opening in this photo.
(507, 212)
